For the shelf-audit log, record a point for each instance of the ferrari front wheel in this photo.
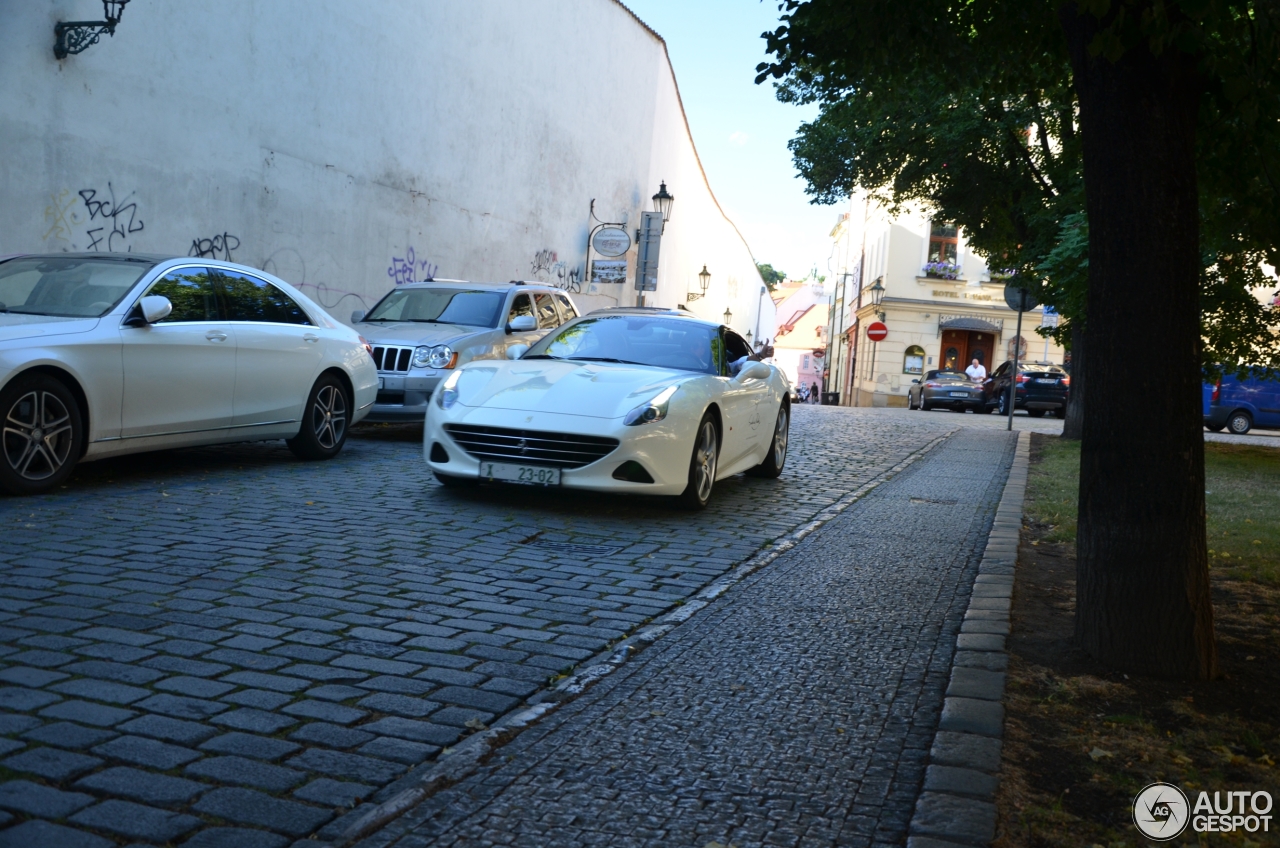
(702, 466)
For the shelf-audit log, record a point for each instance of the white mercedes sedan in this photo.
(623, 400)
(104, 354)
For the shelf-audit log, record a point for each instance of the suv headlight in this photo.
(440, 356)
(447, 394)
(654, 410)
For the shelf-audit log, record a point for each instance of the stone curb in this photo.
(957, 805)
(469, 756)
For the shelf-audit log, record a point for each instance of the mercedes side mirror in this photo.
(522, 324)
(357, 316)
(149, 310)
(517, 351)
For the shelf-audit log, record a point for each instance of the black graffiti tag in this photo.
(119, 221)
(212, 247)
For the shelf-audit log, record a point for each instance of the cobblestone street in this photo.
(227, 645)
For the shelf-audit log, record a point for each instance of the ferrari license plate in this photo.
(535, 474)
(959, 394)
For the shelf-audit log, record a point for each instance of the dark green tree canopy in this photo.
(770, 275)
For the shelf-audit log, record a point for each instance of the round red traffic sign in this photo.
(876, 331)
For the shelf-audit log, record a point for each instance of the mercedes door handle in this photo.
(311, 337)
(216, 336)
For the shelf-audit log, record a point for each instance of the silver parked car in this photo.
(420, 332)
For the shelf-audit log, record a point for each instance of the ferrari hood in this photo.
(592, 389)
(16, 325)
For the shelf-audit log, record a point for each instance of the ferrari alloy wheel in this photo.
(42, 434)
(702, 465)
(324, 421)
(776, 458)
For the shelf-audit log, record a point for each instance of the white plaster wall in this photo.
(350, 146)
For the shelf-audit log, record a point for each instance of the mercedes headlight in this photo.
(654, 410)
(440, 356)
(447, 394)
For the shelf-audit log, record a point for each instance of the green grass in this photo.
(1242, 503)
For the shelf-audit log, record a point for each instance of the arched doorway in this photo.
(960, 347)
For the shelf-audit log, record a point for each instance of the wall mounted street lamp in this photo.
(662, 203)
(704, 282)
(877, 296)
(78, 36)
(728, 317)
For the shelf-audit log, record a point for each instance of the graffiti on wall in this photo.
(62, 216)
(548, 268)
(289, 264)
(217, 247)
(409, 268)
(116, 219)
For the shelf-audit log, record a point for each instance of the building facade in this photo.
(800, 345)
(940, 302)
(349, 148)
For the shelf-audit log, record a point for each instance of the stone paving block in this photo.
(330, 735)
(518, 688)
(259, 699)
(999, 628)
(51, 763)
(398, 685)
(65, 734)
(969, 715)
(184, 665)
(949, 816)
(481, 700)
(990, 660)
(968, 750)
(324, 711)
(976, 683)
(34, 833)
(147, 787)
(314, 673)
(246, 659)
(8, 746)
(399, 750)
(236, 837)
(334, 793)
(21, 699)
(34, 799)
(248, 745)
(459, 716)
(195, 687)
(241, 771)
(33, 677)
(85, 712)
(135, 821)
(401, 705)
(335, 692)
(247, 806)
(273, 682)
(1001, 604)
(961, 781)
(375, 665)
(254, 721)
(979, 642)
(101, 690)
(414, 731)
(351, 766)
(179, 706)
(172, 729)
(142, 751)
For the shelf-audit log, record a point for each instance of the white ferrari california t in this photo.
(624, 400)
(104, 354)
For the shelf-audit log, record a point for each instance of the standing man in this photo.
(976, 372)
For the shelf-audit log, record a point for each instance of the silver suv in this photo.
(421, 331)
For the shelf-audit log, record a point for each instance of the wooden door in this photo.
(981, 346)
(954, 353)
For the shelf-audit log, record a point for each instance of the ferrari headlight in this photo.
(447, 394)
(654, 410)
(440, 356)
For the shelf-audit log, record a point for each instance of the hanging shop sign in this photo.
(611, 241)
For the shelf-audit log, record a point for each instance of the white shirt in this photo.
(976, 372)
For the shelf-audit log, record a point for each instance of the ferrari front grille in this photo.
(503, 444)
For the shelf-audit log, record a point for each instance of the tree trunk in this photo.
(1142, 579)
(1073, 427)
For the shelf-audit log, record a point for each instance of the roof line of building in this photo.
(688, 131)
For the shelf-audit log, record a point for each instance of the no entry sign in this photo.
(876, 331)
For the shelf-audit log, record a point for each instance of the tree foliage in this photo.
(771, 276)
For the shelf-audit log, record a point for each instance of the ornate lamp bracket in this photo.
(73, 37)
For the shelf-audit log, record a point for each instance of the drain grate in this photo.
(578, 550)
(941, 501)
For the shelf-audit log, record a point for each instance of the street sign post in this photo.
(876, 331)
(647, 256)
(1020, 300)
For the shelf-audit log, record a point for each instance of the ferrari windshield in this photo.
(637, 340)
(67, 286)
(440, 306)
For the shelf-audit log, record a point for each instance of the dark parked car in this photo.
(1240, 405)
(1040, 387)
(950, 389)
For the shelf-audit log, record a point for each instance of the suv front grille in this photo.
(502, 444)
(393, 359)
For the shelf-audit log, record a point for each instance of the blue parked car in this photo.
(1241, 405)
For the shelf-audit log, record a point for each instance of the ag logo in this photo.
(1161, 812)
